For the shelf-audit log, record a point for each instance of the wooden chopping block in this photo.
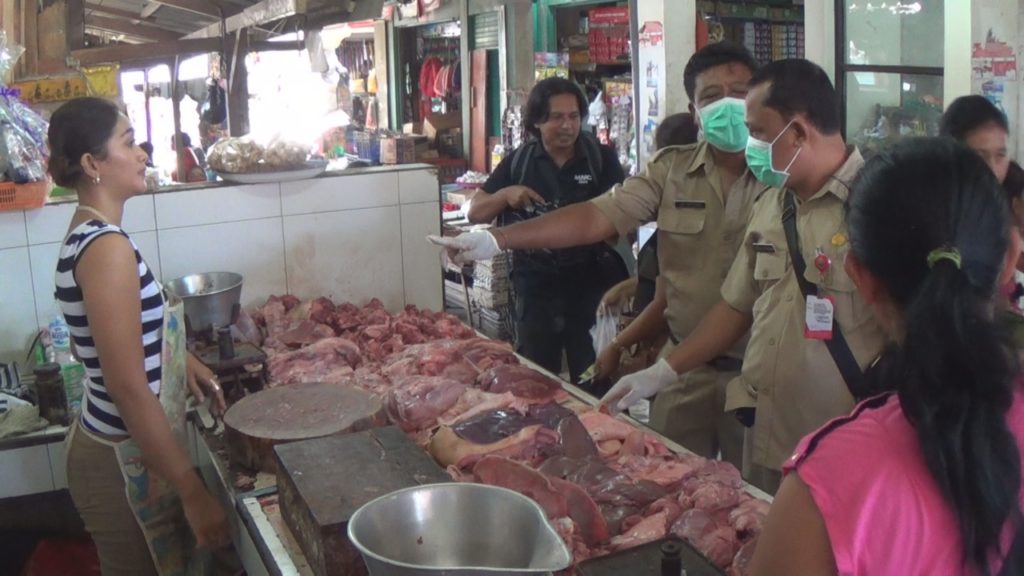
(322, 482)
(290, 413)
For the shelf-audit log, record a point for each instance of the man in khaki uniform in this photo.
(788, 375)
(701, 197)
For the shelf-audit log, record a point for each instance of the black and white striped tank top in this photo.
(99, 413)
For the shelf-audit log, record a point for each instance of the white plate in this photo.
(313, 170)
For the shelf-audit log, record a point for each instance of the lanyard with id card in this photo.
(820, 311)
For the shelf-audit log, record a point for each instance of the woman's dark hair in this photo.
(953, 370)
(968, 113)
(79, 127)
(1013, 184)
(676, 130)
(538, 105)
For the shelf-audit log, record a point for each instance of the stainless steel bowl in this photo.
(211, 299)
(456, 529)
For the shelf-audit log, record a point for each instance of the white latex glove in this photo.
(634, 387)
(469, 246)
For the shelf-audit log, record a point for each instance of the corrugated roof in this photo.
(170, 19)
(102, 15)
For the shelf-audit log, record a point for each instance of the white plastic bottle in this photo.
(72, 371)
(60, 340)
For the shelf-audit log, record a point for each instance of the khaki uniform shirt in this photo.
(699, 227)
(792, 380)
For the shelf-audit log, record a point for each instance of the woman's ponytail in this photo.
(929, 221)
(955, 392)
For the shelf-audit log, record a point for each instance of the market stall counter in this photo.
(466, 408)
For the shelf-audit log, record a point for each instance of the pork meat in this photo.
(327, 360)
(712, 537)
(649, 529)
(474, 402)
(525, 445)
(557, 497)
(522, 381)
(416, 402)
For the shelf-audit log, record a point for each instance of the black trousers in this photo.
(554, 314)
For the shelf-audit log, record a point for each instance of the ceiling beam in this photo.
(109, 54)
(92, 7)
(149, 9)
(262, 13)
(128, 15)
(206, 8)
(139, 30)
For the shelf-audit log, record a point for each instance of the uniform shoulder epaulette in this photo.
(766, 191)
(673, 150)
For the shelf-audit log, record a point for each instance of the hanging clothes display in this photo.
(357, 57)
(439, 73)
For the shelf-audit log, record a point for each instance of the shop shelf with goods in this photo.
(770, 30)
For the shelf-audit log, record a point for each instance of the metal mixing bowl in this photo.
(211, 299)
(456, 529)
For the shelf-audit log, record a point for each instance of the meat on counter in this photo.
(605, 484)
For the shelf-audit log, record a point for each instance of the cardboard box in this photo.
(397, 150)
(434, 124)
(459, 197)
(412, 128)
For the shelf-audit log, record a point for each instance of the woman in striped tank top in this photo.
(117, 316)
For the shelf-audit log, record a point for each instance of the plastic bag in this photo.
(597, 110)
(604, 330)
(25, 162)
(248, 154)
(9, 54)
(23, 148)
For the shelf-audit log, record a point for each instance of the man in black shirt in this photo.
(557, 291)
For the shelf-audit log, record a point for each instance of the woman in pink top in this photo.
(927, 479)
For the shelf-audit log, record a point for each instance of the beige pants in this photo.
(764, 478)
(97, 488)
(692, 413)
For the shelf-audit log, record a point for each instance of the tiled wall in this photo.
(351, 237)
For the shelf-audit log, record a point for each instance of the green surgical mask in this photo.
(759, 160)
(723, 123)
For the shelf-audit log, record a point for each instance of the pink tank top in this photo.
(883, 511)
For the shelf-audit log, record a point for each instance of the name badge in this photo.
(820, 315)
(695, 204)
(763, 247)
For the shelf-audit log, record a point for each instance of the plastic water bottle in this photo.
(60, 340)
(71, 370)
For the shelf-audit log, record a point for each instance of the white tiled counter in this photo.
(33, 463)
(351, 236)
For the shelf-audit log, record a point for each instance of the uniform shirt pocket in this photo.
(684, 217)
(682, 222)
(769, 267)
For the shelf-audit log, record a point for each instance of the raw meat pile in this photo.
(429, 367)
(605, 484)
(320, 339)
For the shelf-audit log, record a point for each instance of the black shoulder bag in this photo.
(837, 346)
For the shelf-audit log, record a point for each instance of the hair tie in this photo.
(951, 254)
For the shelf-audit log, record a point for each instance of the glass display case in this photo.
(890, 67)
